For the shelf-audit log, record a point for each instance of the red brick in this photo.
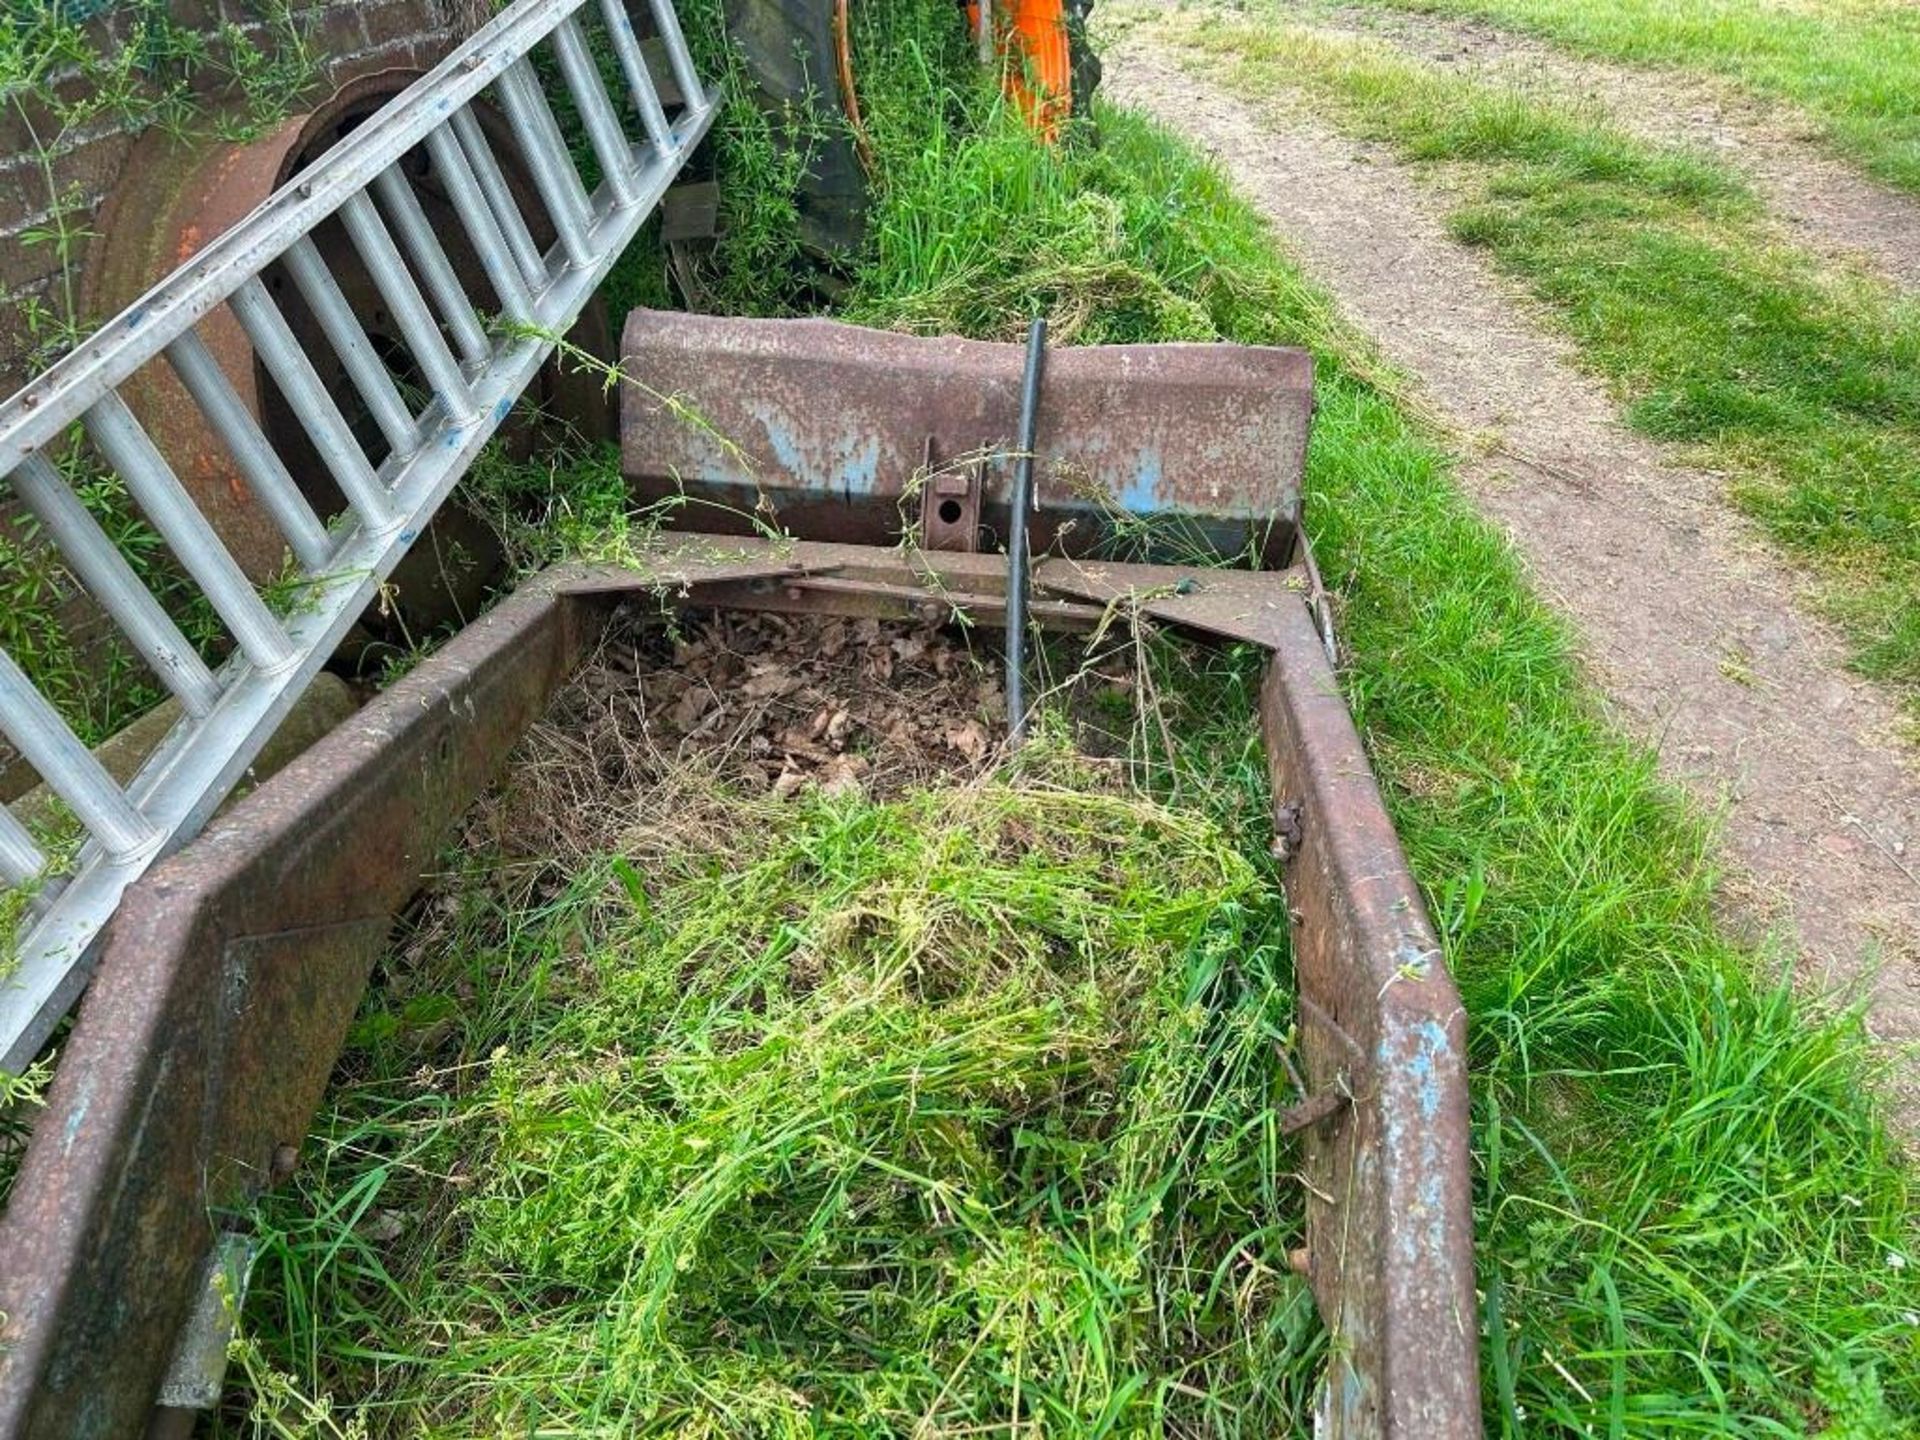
(399, 20)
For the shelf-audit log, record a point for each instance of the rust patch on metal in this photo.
(824, 426)
(1389, 1190)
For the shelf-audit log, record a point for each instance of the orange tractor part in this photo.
(1032, 37)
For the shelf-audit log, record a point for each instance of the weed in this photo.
(21, 1096)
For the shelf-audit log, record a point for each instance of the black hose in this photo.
(1019, 562)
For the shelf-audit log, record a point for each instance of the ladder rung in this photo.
(610, 142)
(546, 156)
(667, 22)
(483, 230)
(506, 210)
(188, 534)
(274, 342)
(349, 341)
(91, 555)
(417, 325)
(21, 861)
(443, 282)
(633, 61)
(68, 767)
(265, 474)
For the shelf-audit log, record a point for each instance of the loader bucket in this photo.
(230, 976)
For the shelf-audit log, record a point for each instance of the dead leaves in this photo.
(793, 702)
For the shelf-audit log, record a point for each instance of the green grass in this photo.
(937, 1112)
(1802, 386)
(1690, 1219)
(1853, 65)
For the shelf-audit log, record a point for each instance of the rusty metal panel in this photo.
(1383, 1040)
(229, 979)
(823, 427)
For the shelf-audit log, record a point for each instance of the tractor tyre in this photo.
(1086, 64)
(791, 56)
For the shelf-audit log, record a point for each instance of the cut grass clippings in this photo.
(931, 1116)
(1854, 65)
(1690, 1220)
(1802, 386)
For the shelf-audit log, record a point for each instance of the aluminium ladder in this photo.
(473, 372)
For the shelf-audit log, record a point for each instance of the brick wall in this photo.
(347, 39)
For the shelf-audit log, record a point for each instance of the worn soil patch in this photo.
(1690, 626)
(1820, 203)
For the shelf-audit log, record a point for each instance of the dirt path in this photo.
(1821, 203)
(1689, 625)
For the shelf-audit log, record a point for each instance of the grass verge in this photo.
(1800, 385)
(1690, 1219)
(1852, 64)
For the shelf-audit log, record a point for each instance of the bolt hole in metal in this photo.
(950, 512)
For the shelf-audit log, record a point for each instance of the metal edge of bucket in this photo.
(1385, 1123)
(1383, 1036)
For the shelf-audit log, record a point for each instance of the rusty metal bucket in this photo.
(835, 432)
(234, 968)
